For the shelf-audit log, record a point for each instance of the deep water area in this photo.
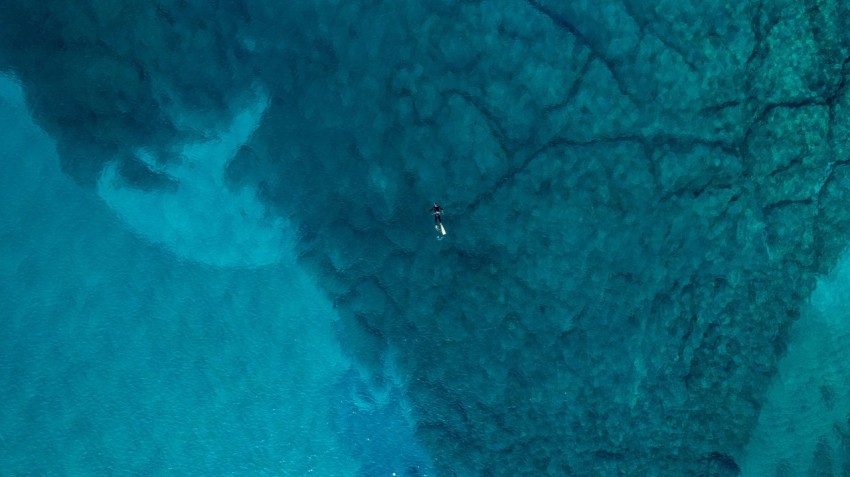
(218, 256)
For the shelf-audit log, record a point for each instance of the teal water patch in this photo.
(117, 358)
(202, 218)
(803, 427)
(637, 201)
(376, 422)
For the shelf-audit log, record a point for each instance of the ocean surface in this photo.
(217, 256)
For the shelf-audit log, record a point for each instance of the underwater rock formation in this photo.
(638, 195)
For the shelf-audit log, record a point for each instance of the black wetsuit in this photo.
(437, 211)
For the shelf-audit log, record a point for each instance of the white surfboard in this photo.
(440, 229)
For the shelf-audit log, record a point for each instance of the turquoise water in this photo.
(217, 256)
(121, 357)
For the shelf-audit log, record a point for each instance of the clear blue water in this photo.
(216, 255)
(120, 356)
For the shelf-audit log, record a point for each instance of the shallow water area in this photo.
(803, 426)
(118, 353)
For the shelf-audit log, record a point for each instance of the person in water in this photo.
(437, 211)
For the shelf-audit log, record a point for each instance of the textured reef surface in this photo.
(639, 195)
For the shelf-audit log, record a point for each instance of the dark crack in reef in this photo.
(639, 195)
